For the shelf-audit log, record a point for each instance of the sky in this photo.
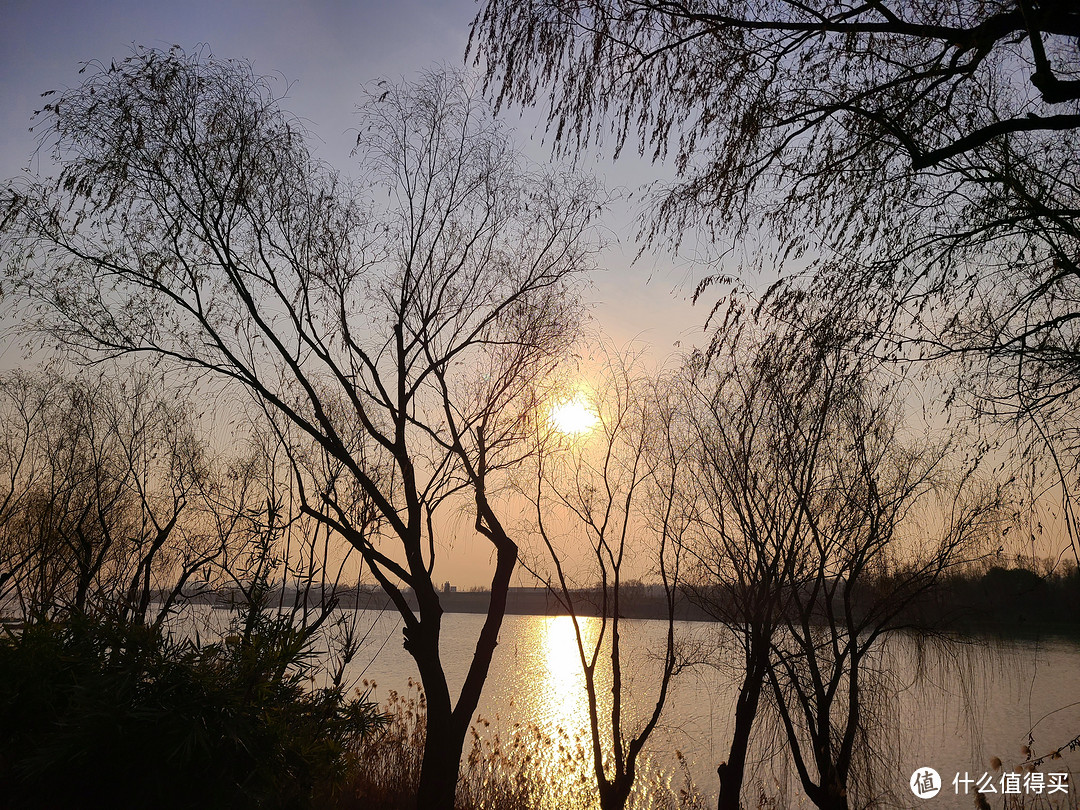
(323, 51)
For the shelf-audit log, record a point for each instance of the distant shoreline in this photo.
(648, 603)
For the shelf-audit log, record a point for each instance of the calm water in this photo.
(971, 702)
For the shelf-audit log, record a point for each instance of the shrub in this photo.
(98, 713)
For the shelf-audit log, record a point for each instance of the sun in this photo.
(574, 416)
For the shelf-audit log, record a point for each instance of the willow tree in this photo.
(823, 519)
(105, 495)
(920, 157)
(395, 323)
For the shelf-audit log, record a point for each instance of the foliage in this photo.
(820, 522)
(384, 770)
(917, 159)
(101, 714)
(1007, 600)
(107, 494)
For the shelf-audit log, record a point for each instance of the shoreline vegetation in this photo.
(502, 769)
(997, 600)
(137, 716)
(239, 714)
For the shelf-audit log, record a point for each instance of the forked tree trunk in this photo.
(447, 721)
(613, 794)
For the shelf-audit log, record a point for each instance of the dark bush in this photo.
(99, 714)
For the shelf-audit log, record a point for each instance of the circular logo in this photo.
(925, 783)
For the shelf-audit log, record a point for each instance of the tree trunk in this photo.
(442, 748)
(441, 764)
(832, 797)
(831, 791)
(447, 723)
(614, 793)
(732, 772)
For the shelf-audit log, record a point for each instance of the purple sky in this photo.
(324, 51)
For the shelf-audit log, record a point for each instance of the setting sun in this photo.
(574, 416)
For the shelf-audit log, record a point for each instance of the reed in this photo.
(522, 767)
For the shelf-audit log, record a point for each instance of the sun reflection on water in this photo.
(556, 701)
(559, 740)
(562, 698)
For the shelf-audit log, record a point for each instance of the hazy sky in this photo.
(323, 52)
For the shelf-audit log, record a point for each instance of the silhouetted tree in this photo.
(921, 158)
(748, 530)
(607, 495)
(396, 325)
(106, 489)
(810, 544)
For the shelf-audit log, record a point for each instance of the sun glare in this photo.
(573, 416)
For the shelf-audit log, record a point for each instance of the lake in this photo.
(950, 707)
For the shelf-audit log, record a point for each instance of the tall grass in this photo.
(525, 767)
